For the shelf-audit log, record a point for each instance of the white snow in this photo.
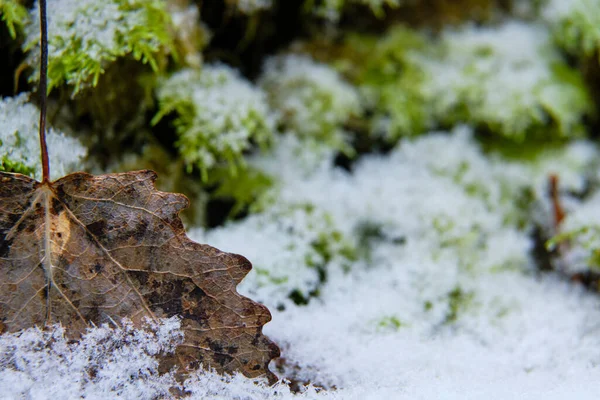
(19, 139)
(444, 302)
(106, 363)
(386, 328)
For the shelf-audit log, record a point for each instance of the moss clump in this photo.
(8, 165)
(529, 92)
(412, 83)
(311, 99)
(575, 24)
(246, 188)
(86, 36)
(219, 116)
(392, 81)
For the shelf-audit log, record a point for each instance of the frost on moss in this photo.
(509, 187)
(311, 98)
(84, 37)
(292, 247)
(19, 142)
(14, 15)
(579, 237)
(469, 211)
(444, 239)
(391, 81)
(219, 115)
(508, 80)
(575, 24)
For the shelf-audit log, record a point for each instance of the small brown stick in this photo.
(559, 213)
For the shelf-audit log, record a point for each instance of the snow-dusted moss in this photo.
(311, 98)
(293, 247)
(14, 15)
(575, 24)
(509, 186)
(391, 81)
(436, 199)
(84, 37)
(19, 142)
(219, 115)
(579, 239)
(509, 80)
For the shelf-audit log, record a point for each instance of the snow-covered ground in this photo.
(443, 301)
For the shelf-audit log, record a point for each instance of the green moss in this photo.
(390, 323)
(218, 116)
(458, 301)
(412, 83)
(392, 82)
(271, 279)
(311, 99)
(8, 165)
(14, 15)
(246, 188)
(576, 27)
(586, 238)
(331, 244)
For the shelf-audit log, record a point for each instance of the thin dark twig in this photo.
(44, 91)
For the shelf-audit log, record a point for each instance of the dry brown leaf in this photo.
(94, 249)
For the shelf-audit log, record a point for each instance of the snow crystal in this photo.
(105, 363)
(19, 140)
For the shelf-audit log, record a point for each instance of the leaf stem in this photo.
(43, 91)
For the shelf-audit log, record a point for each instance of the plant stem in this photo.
(44, 91)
